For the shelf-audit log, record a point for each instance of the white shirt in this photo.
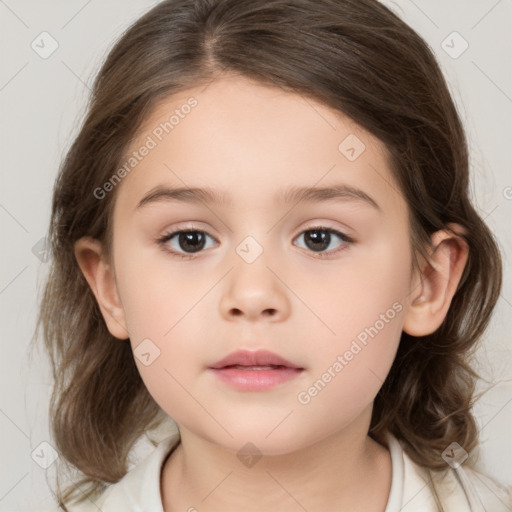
(459, 489)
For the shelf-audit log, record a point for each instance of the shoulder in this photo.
(485, 490)
(456, 489)
(138, 490)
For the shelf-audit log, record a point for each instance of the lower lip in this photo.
(255, 380)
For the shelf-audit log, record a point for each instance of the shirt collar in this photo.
(139, 490)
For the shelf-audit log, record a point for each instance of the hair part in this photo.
(355, 56)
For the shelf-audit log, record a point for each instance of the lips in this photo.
(253, 360)
(254, 371)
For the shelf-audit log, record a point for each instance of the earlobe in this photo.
(438, 282)
(100, 276)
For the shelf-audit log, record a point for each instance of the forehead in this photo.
(252, 141)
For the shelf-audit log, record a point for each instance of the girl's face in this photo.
(323, 281)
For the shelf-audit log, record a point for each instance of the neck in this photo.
(332, 474)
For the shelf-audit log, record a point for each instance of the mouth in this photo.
(247, 359)
(254, 367)
(254, 370)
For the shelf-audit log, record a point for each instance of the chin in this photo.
(263, 438)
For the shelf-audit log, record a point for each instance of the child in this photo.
(316, 344)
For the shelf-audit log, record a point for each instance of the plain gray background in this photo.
(42, 101)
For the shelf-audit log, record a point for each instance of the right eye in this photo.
(188, 240)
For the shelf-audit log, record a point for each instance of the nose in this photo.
(255, 292)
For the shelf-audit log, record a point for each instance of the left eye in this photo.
(319, 238)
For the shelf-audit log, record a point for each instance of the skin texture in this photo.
(251, 141)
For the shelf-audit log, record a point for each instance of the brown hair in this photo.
(354, 56)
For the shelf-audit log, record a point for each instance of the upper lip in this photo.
(253, 358)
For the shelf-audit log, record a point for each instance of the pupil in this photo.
(191, 241)
(318, 237)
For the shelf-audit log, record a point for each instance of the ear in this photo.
(100, 276)
(437, 283)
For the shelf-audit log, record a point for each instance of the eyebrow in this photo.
(162, 193)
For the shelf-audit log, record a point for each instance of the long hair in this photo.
(355, 56)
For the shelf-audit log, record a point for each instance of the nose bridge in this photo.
(254, 290)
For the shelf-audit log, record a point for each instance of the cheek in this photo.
(157, 296)
(349, 382)
(350, 369)
(163, 309)
(365, 310)
(369, 291)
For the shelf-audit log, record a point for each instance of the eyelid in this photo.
(327, 225)
(187, 226)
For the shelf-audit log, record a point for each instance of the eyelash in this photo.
(162, 241)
